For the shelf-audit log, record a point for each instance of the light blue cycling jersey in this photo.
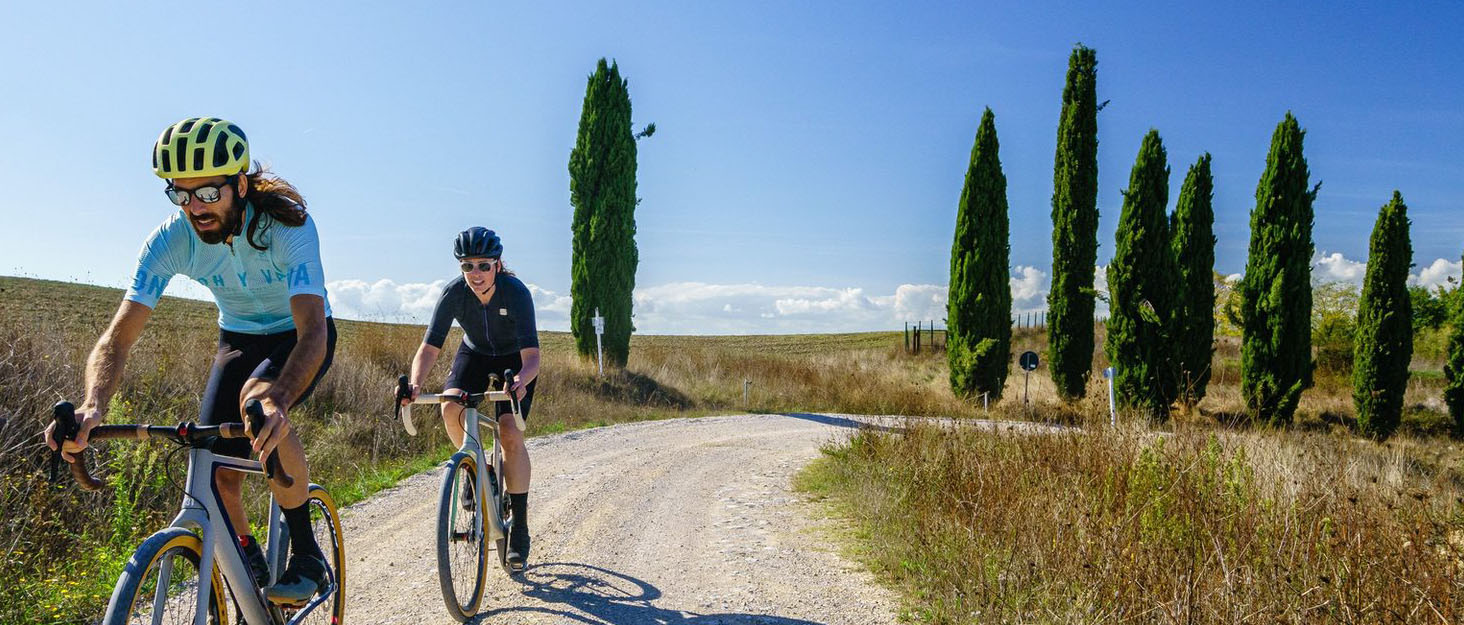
(252, 287)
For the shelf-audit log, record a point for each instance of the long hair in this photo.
(274, 197)
(503, 269)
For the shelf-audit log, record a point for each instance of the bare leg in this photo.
(452, 418)
(292, 458)
(516, 468)
(231, 494)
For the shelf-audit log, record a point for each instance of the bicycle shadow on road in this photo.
(591, 594)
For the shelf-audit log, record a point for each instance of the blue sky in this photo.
(808, 158)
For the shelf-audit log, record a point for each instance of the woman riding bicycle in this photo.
(496, 313)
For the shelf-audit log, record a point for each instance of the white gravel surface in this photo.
(683, 521)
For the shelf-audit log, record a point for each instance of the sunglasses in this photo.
(206, 194)
(483, 266)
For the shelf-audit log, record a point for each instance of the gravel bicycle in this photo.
(472, 483)
(163, 581)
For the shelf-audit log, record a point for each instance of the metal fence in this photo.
(924, 335)
(1034, 319)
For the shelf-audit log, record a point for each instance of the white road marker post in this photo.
(1112, 410)
(599, 323)
(746, 384)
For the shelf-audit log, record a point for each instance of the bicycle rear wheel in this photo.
(462, 555)
(160, 583)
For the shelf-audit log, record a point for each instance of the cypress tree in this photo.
(1141, 286)
(602, 191)
(1074, 228)
(1383, 344)
(1193, 334)
(1276, 297)
(980, 304)
(1454, 367)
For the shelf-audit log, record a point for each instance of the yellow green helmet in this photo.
(199, 147)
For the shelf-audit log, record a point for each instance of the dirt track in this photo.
(667, 522)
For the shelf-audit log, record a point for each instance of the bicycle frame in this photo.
(205, 515)
(472, 443)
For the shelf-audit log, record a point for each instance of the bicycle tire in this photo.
(133, 597)
(461, 533)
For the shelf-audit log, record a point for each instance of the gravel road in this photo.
(683, 521)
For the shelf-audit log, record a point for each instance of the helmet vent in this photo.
(221, 156)
(180, 152)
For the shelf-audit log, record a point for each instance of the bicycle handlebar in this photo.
(404, 391)
(64, 415)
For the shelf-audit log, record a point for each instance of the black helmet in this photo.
(477, 242)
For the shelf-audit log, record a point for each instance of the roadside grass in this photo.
(1122, 525)
(61, 549)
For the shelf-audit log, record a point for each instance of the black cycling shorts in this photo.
(470, 371)
(243, 357)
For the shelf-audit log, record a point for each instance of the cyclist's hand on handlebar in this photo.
(416, 390)
(519, 388)
(87, 418)
(276, 426)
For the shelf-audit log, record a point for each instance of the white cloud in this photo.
(698, 307)
(1029, 289)
(384, 300)
(1336, 268)
(1437, 274)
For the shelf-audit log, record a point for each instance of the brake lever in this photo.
(404, 391)
(255, 411)
(64, 416)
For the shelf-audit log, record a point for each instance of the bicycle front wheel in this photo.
(160, 583)
(329, 606)
(462, 554)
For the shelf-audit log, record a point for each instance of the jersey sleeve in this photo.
(441, 319)
(301, 246)
(157, 263)
(523, 317)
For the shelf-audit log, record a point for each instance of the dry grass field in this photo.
(1204, 520)
(61, 548)
(1098, 527)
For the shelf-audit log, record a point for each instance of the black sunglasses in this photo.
(483, 266)
(206, 194)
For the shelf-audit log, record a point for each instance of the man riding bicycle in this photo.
(496, 312)
(247, 238)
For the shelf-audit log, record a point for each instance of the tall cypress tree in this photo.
(979, 312)
(1074, 228)
(1454, 367)
(1276, 297)
(602, 190)
(1141, 286)
(1383, 344)
(1192, 231)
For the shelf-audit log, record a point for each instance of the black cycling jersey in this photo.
(500, 328)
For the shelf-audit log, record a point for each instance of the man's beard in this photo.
(229, 226)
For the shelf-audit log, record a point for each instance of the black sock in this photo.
(302, 539)
(519, 502)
